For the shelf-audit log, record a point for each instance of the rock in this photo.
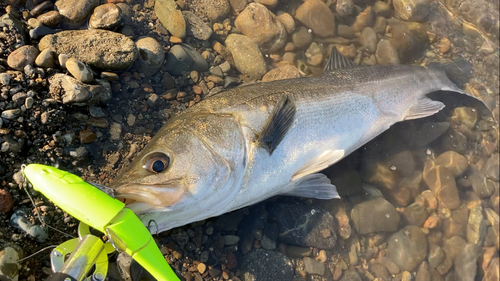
(280, 73)
(45, 59)
(482, 186)
(375, 215)
(317, 16)
(238, 5)
(41, 31)
(9, 265)
(40, 8)
(380, 24)
(62, 59)
(382, 9)
(304, 225)
(408, 38)
(271, 34)
(22, 57)
(79, 70)
(456, 225)
(345, 31)
(476, 226)
(407, 248)
(10, 114)
(230, 239)
(379, 270)
(246, 55)
(268, 3)
(441, 182)
(430, 131)
(368, 39)
(444, 45)
(98, 48)
(5, 79)
(415, 10)
(365, 19)
(213, 10)
(466, 263)
(171, 18)
(19, 221)
(184, 58)
(16, 25)
(115, 131)
(492, 272)
(50, 19)
(287, 20)
(265, 265)
(74, 12)
(453, 161)
(313, 267)
(350, 275)
(386, 54)
(269, 236)
(151, 56)
(302, 37)
(466, 116)
(68, 90)
(196, 27)
(6, 201)
(106, 16)
(345, 8)
(435, 256)
(416, 214)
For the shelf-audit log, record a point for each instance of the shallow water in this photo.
(419, 202)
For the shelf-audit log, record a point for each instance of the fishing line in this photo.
(25, 184)
(36, 253)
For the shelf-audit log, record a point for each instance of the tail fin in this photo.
(458, 71)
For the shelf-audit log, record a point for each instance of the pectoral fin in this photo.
(313, 186)
(278, 124)
(319, 163)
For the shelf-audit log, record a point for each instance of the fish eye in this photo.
(157, 163)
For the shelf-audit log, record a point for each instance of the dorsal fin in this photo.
(338, 61)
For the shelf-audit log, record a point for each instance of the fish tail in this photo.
(458, 71)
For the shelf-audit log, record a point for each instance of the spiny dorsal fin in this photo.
(338, 61)
(278, 124)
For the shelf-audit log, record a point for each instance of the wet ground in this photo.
(420, 202)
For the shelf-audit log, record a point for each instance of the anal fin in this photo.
(278, 124)
(423, 108)
(319, 163)
(313, 186)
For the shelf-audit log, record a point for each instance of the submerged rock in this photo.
(407, 248)
(98, 48)
(184, 58)
(411, 10)
(246, 55)
(151, 56)
(171, 18)
(265, 265)
(317, 16)
(196, 26)
(375, 215)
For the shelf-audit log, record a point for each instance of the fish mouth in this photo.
(154, 195)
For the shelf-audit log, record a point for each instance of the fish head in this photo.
(184, 171)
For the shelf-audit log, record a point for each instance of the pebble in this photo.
(492, 272)
(269, 237)
(28, 103)
(408, 38)
(444, 45)
(466, 263)
(368, 39)
(382, 9)
(115, 131)
(196, 26)
(313, 267)
(491, 168)
(109, 76)
(86, 136)
(246, 55)
(10, 114)
(74, 12)
(171, 18)
(5, 79)
(68, 90)
(9, 266)
(302, 37)
(317, 16)
(41, 31)
(98, 48)
(213, 10)
(280, 73)
(345, 8)
(482, 186)
(184, 58)
(268, 3)
(435, 256)
(40, 8)
(238, 5)
(265, 265)
(151, 56)
(34, 23)
(441, 182)
(304, 225)
(380, 25)
(201, 268)
(476, 226)
(411, 10)
(287, 20)
(350, 275)
(453, 161)
(231, 240)
(50, 19)
(22, 57)
(457, 223)
(271, 34)
(6, 201)
(19, 221)
(379, 270)
(106, 16)
(375, 215)
(407, 248)
(45, 59)
(365, 19)
(79, 70)
(62, 59)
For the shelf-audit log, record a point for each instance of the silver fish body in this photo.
(217, 164)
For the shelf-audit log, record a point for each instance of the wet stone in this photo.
(21, 57)
(265, 265)
(435, 256)
(408, 38)
(79, 70)
(314, 267)
(375, 215)
(151, 56)
(350, 275)
(345, 31)
(441, 182)
(302, 37)
(213, 10)
(280, 73)
(5, 79)
(407, 248)
(231, 239)
(303, 225)
(453, 161)
(415, 214)
(457, 223)
(382, 9)
(269, 237)
(247, 56)
(379, 270)
(482, 186)
(50, 19)
(345, 8)
(466, 263)
(386, 54)
(196, 26)
(414, 10)
(317, 15)
(271, 34)
(74, 12)
(45, 59)
(364, 19)
(368, 39)
(170, 17)
(106, 16)
(11, 114)
(476, 226)
(287, 20)
(184, 58)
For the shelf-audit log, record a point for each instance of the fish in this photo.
(253, 142)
